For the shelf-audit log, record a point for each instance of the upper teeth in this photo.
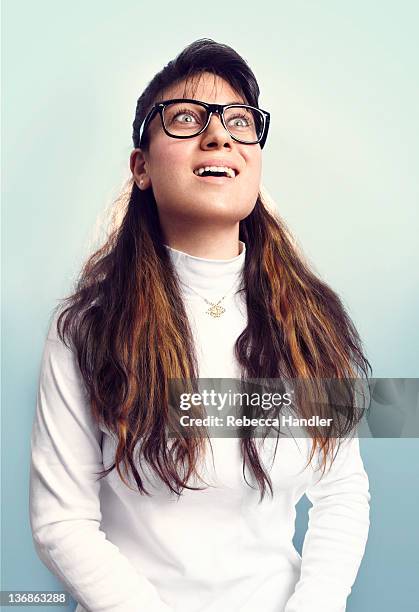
(225, 169)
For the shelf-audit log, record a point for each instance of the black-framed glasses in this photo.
(186, 118)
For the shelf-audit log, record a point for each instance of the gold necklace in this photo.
(215, 310)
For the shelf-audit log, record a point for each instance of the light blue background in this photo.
(341, 162)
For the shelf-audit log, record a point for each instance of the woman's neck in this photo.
(210, 276)
(206, 243)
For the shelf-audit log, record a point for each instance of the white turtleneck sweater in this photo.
(215, 550)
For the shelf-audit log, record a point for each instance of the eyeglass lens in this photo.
(187, 119)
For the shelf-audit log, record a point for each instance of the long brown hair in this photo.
(128, 326)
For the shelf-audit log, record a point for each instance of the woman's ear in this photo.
(137, 164)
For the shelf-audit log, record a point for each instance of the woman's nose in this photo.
(216, 131)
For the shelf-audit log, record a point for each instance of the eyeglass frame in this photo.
(210, 108)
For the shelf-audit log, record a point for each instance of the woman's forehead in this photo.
(202, 86)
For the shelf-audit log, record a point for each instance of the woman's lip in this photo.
(215, 180)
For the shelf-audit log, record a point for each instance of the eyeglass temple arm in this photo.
(147, 119)
(265, 135)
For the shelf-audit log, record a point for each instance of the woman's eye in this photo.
(188, 116)
(244, 120)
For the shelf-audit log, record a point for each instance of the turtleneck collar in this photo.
(209, 277)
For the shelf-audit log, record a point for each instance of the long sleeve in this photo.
(64, 504)
(337, 533)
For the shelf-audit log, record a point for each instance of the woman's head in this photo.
(212, 73)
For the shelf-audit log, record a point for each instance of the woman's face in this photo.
(167, 167)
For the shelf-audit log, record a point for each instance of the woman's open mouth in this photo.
(215, 175)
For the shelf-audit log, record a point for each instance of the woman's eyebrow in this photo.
(232, 102)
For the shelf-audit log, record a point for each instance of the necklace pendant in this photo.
(216, 311)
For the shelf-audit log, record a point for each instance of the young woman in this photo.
(198, 279)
